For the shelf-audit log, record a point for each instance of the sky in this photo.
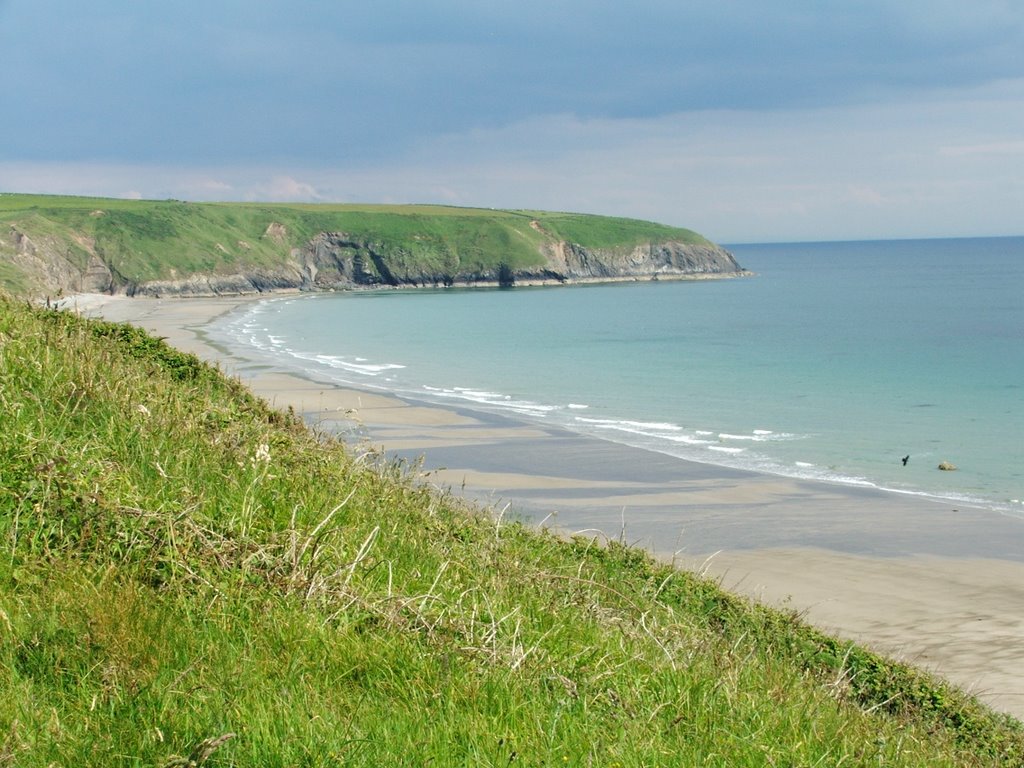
(746, 120)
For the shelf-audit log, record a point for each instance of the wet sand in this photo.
(939, 585)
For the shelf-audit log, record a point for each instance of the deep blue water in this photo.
(833, 362)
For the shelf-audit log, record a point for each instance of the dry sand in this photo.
(938, 586)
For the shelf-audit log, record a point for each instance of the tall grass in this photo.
(188, 577)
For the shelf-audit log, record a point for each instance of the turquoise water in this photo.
(832, 363)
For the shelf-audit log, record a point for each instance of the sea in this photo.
(834, 361)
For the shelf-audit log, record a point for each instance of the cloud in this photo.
(742, 120)
(215, 186)
(286, 189)
(351, 83)
(885, 170)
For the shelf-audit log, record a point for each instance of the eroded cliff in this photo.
(179, 249)
(338, 261)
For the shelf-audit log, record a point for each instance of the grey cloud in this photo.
(353, 83)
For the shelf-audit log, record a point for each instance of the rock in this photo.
(276, 232)
(569, 261)
(947, 466)
(97, 277)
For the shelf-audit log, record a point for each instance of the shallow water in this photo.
(834, 362)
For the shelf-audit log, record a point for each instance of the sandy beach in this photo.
(930, 583)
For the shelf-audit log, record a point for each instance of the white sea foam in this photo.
(468, 392)
(493, 399)
(685, 439)
(374, 368)
(758, 436)
(631, 426)
(534, 408)
(578, 406)
(337, 362)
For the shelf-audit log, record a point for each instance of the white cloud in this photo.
(215, 186)
(285, 189)
(927, 168)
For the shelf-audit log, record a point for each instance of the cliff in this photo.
(52, 245)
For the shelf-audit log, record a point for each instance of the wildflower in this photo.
(262, 455)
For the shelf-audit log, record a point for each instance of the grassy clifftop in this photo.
(188, 577)
(130, 242)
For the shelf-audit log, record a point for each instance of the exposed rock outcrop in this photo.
(341, 261)
(251, 281)
(573, 262)
(52, 266)
(338, 260)
(97, 277)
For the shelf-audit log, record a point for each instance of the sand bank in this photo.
(934, 584)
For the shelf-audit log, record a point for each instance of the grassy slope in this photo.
(178, 563)
(146, 240)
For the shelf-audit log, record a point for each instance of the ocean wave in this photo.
(686, 439)
(337, 362)
(759, 436)
(631, 426)
(494, 400)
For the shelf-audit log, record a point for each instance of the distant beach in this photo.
(938, 585)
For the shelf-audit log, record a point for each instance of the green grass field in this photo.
(150, 240)
(188, 577)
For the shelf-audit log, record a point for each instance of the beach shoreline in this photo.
(937, 586)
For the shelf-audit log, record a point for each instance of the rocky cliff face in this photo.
(339, 261)
(573, 262)
(48, 264)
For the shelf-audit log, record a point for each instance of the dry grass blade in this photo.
(11, 746)
(202, 752)
(311, 538)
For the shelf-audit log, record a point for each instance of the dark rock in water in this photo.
(947, 466)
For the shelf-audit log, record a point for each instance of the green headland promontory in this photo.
(52, 244)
